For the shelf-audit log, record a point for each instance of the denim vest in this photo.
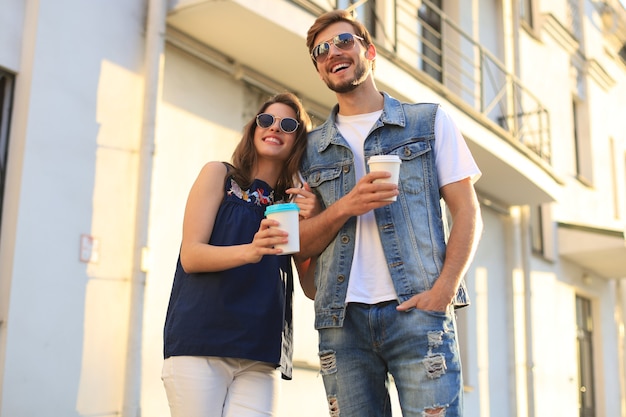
(411, 228)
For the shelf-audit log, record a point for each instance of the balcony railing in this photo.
(424, 39)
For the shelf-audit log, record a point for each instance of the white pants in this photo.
(207, 386)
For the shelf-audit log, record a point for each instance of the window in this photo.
(429, 18)
(526, 13)
(622, 53)
(528, 17)
(536, 229)
(576, 133)
(365, 12)
(580, 126)
(6, 93)
(542, 231)
(574, 19)
(614, 164)
(622, 212)
(582, 145)
(584, 327)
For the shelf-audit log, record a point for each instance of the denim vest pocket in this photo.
(413, 149)
(417, 165)
(326, 180)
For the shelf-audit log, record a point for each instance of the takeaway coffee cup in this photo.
(286, 214)
(389, 163)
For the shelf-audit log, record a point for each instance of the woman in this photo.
(228, 325)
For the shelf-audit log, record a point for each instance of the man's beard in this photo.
(360, 75)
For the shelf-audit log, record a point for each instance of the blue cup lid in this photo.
(277, 208)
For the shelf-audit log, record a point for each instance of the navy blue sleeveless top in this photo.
(244, 312)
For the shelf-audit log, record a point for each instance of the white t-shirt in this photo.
(370, 281)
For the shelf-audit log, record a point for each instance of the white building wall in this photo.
(546, 68)
(553, 346)
(72, 172)
(11, 22)
(484, 333)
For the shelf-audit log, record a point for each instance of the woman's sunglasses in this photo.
(287, 124)
(343, 41)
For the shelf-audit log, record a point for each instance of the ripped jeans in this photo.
(418, 348)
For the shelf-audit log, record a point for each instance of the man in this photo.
(385, 284)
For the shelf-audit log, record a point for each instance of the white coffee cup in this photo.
(389, 163)
(287, 216)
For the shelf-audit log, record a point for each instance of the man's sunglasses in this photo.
(343, 41)
(287, 124)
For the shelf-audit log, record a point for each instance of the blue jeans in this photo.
(418, 348)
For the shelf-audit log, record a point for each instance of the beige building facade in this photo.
(108, 109)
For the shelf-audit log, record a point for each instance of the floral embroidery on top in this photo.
(257, 197)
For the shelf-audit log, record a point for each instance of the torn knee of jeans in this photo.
(333, 406)
(434, 412)
(435, 365)
(328, 362)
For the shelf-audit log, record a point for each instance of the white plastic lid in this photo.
(384, 158)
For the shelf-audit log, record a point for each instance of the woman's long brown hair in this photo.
(245, 156)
